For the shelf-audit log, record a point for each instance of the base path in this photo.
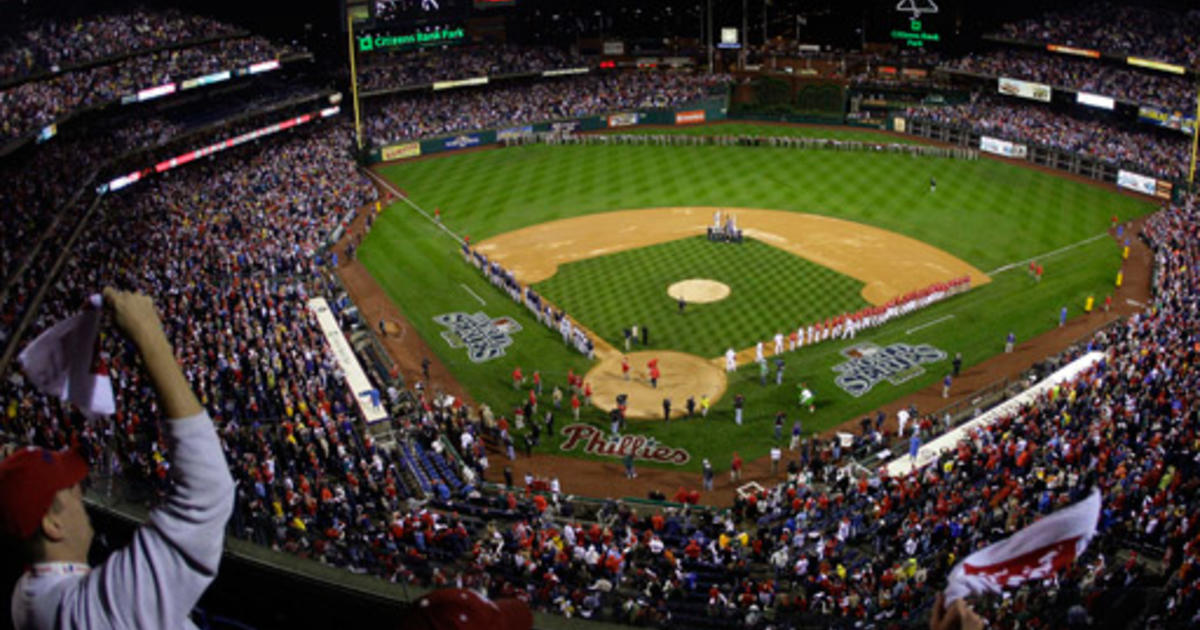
(887, 263)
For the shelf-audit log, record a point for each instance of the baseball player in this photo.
(806, 398)
(778, 343)
(730, 360)
(625, 367)
(758, 352)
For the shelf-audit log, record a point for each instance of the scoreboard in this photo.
(391, 11)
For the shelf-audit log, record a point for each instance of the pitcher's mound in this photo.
(683, 375)
(698, 290)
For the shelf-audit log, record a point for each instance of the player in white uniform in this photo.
(730, 360)
(758, 352)
(778, 343)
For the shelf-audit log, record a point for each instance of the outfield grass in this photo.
(770, 290)
(987, 212)
(767, 130)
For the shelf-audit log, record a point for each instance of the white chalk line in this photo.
(386, 184)
(473, 294)
(1060, 250)
(929, 323)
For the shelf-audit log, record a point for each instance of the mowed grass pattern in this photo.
(771, 291)
(987, 212)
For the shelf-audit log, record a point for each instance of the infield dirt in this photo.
(887, 263)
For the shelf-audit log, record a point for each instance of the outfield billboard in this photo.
(623, 120)
(462, 141)
(690, 117)
(1003, 147)
(514, 133)
(1024, 89)
(400, 151)
(1145, 185)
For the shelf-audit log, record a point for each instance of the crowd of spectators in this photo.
(44, 178)
(1121, 82)
(424, 66)
(1158, 33)
(231, 249)
(56, 43)
(410, 117)
(28, 106)
(1163, 155)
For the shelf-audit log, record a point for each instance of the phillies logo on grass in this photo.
(869, 364)
(483, 337)
(595, 442)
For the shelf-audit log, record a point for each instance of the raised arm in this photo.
(157, 580)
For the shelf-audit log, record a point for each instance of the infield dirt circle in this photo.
(887, 263)
(698, 291)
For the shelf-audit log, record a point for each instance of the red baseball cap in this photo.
(29, 479)
(460, 609)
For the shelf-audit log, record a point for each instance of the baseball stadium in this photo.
(533, 314)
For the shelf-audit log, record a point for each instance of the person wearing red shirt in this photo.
(735, 469)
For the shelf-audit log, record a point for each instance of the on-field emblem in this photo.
(869, 364)
(483, 337)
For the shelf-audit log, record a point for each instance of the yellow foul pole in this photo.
(1195, 139)
(354, 82)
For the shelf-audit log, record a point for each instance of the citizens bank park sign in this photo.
(594, 441)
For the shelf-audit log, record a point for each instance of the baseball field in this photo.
(603, 232)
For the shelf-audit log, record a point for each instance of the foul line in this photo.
(929, 323)
(473, 294)
(388, 185)
(1047, 254)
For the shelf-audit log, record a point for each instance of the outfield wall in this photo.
(1127, 176)
(706, 110)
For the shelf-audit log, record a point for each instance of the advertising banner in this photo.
(622, 120)
(614, 48)
(461, 142)
(1025, 89)
(513, 133)
(1156, 65)
(689, 117)
(1071, 50)
(1176, 120)
(1003, 147)
(207, 79)
(155, 92)
(1095, 100)
(562, 72)
(400, 151)
(1145, 185)
(446, 85)
(566, 126)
